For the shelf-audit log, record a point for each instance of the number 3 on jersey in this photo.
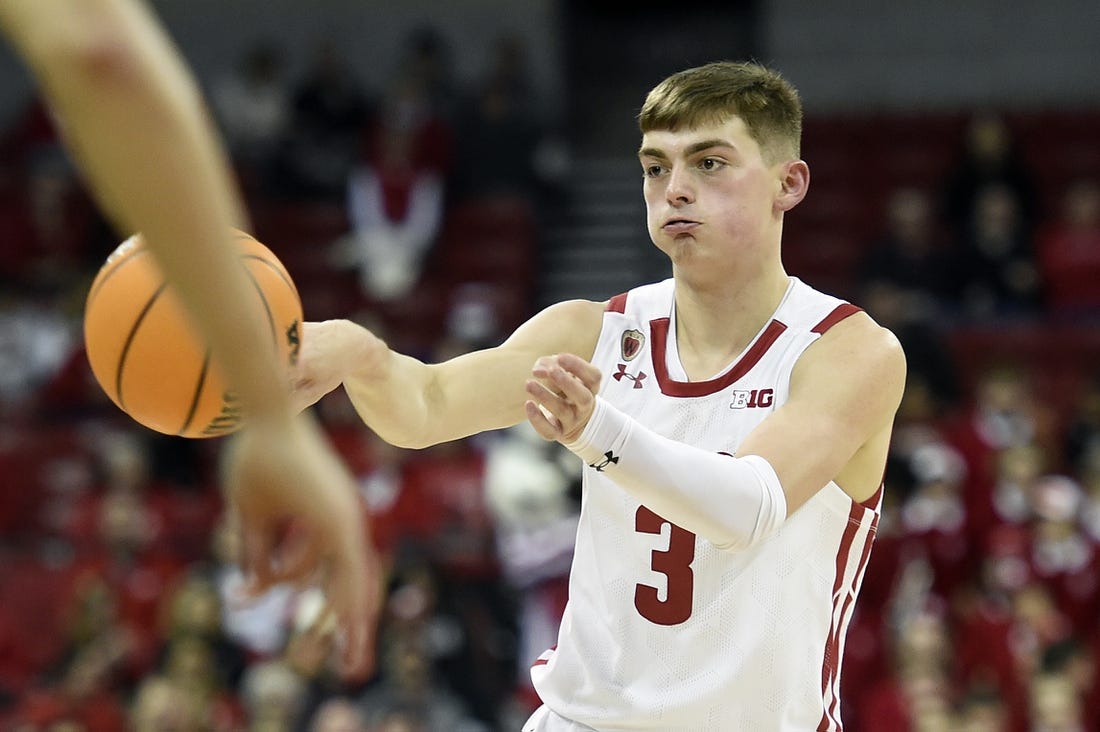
(675, 564)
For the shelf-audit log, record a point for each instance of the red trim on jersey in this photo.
(830, 666)
(840, 312)
(872, 502)
(846, 613)
(831, 662)
(616, 304)
(658, 330)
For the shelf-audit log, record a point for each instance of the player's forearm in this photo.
(140, 133)
(391, 392)
(415, 405)
(732, 502)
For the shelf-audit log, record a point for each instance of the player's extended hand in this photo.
(300, 520)
(329, 350)
(563, 394)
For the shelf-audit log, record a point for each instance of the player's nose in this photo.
(679, 189)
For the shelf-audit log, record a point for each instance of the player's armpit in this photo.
(415, 405)
(836, 423)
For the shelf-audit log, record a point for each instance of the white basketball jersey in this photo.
(663, 631)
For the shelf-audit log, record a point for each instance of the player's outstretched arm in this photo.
(135, 123)
(413, 404)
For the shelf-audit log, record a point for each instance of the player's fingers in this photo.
(355, 593)
(589, 375)
(257, 544)
(576, 393)
(538, 419)
(548, 396)
(357, 645)
(299, 560)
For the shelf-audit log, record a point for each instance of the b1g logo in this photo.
(743, 399)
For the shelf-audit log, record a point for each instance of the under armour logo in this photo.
(621, 374)
(608, 459)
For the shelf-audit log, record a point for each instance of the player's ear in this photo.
(794, 181)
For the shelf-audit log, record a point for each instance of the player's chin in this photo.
(679, 248)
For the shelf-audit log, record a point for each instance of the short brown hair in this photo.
(766, 102)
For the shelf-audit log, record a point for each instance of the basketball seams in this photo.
(130, 340)
(195, 398)
(267, 307)
(283, 274)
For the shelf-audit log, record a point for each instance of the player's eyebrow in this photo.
(692, 149)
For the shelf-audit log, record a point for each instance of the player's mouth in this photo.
(676, 227)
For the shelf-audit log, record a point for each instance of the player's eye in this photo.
(652, 171)
(710, 163)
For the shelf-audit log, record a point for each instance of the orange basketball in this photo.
(149, 359)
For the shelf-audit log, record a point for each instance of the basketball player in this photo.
(732, 421)
(133, 118)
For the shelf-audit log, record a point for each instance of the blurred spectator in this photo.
(415, 636)
(80, 689)
(1063, 556)
(982, 710)
(47, 237)
(403, 718)
(1003, 411)
(1016, 470)
(1075, 661)
(130, 556)
(503, 144)
(908, 257)
(37, 334)
(934, 517)
(1069, 253)
(1082, 436)
(252, 104)
(190, 664)
(32, 135)
(397, 190)
(529, 487)
(194, 611)
(989, 157)
(328, 110)
(918, 692)
(425, 61)
(273, 696)
(994, 259)
(160, 705)
(338, 714)
(1055, 705)
(395, 206)
(984, 630)
(927, 353)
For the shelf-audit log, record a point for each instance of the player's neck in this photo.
(715, 324)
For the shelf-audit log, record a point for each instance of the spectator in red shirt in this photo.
(1069, 253)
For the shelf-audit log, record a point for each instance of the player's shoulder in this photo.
(643, 300)
(859, 344)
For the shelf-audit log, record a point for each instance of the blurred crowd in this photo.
(416, 209)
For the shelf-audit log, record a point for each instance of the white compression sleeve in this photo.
(732, 502)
